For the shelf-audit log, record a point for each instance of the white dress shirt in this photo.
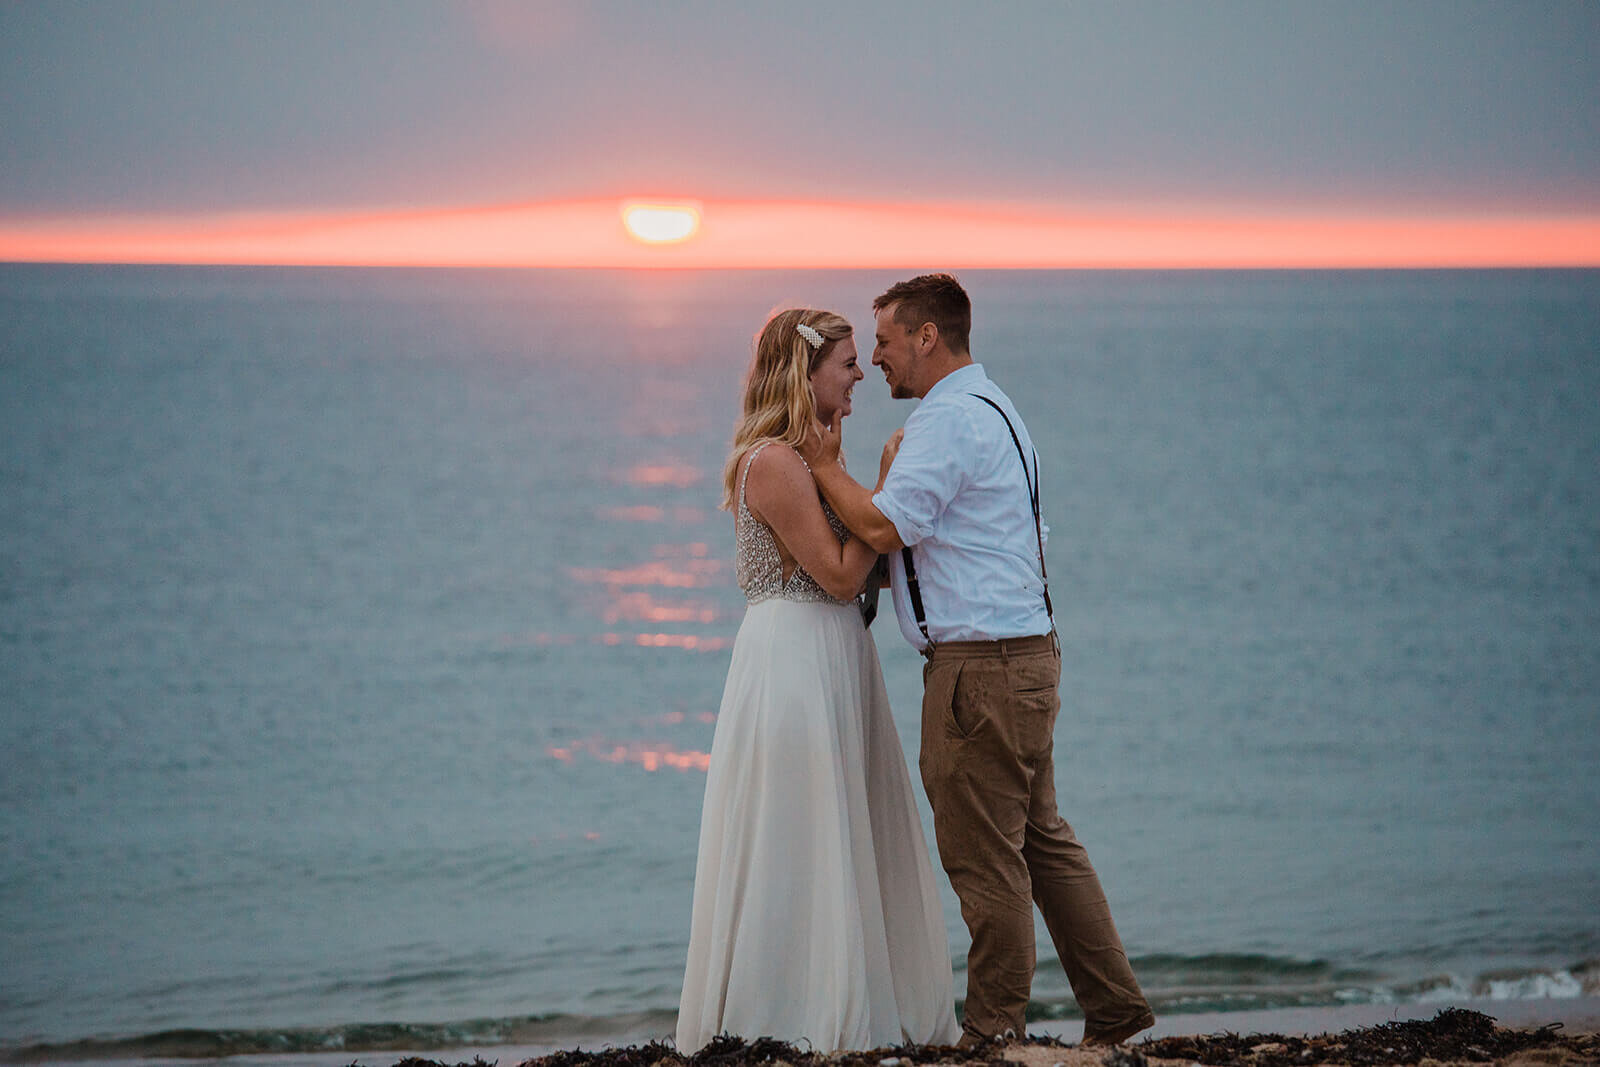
(958, 495)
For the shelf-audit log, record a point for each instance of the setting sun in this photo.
(659, 224)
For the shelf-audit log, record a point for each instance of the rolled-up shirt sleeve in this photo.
(927, 471)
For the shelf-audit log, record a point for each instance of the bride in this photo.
(816, 915)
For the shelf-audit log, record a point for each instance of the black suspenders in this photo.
(915, 590)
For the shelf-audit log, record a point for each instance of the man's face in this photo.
(894, 351)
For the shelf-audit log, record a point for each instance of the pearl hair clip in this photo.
(813, 338)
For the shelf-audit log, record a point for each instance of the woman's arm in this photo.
(781, 493)
(851, 500)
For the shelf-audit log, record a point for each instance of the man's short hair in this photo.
(935, 298)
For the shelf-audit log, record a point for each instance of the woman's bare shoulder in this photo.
(778, 485)
(774, 460)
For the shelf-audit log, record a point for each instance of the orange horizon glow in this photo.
(800, 235)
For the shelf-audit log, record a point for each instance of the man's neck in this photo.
(943, 369)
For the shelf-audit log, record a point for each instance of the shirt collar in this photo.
(963, 378)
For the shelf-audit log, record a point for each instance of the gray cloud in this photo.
(189, 104)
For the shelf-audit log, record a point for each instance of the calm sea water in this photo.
(361, 633)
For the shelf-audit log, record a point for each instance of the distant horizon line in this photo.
(814, 235)
(929, 267)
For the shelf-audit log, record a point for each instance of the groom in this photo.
(959, 517)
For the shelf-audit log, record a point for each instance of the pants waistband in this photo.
(1006, 646)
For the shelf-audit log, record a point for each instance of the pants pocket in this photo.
(940, 683)
(1034, 684)
(936, 759)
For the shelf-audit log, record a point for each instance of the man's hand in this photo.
(890, 449)
(821, 445)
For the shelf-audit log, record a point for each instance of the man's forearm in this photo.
(852, 502)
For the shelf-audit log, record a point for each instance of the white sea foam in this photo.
(1561, 985)
(1537, 985)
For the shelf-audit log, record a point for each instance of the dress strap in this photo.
(744, 475)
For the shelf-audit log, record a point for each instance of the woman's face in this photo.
(833, 379)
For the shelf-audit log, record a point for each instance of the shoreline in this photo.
(1576, 1017)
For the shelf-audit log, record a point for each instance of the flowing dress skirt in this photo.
(816, 914)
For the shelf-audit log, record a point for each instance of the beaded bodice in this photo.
(758, 564)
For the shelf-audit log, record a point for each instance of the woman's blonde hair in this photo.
(778, 404)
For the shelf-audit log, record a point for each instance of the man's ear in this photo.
(927, 337)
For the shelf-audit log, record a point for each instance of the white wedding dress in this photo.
(816, 916)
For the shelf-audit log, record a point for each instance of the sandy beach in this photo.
(1571, 1035)
(1522, 1032)
(1575, 1014)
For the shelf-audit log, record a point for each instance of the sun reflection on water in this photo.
(650, 513)
(690, 642)
(676, 475)
(687, 642)
(675, 567)
(643, 607)
(652, 757)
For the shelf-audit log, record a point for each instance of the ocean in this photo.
(362, 634)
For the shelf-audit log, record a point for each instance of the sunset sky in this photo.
(909, 134)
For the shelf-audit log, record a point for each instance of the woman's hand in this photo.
(891, 449)
(822, 443)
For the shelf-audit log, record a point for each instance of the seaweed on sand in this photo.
(728, 1050)
(1454, 1035)
(633, 1056)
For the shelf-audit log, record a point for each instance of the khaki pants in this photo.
(988, 717)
